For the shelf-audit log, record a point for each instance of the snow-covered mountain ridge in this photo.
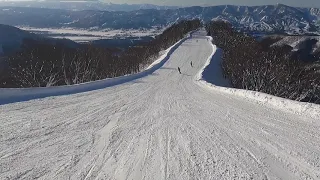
(83, 5)
(270, 18)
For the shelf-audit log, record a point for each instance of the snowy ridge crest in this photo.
(309, 109)
(268, 19)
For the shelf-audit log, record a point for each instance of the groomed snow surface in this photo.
(164, 125)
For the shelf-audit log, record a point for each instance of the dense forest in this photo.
(277, 70)
(40, 64)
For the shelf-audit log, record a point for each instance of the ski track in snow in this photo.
(162, 126)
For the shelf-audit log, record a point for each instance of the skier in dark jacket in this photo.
(179, 70)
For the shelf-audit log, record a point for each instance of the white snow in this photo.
(164, 125)
(295, 41)
(80, 39)
(85, 35)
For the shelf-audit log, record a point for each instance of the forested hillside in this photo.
(41, 65)
(276, 70)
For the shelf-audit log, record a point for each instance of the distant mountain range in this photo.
(83, 5)
(260, 19)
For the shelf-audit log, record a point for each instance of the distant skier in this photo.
(191, 64)
(179, 70)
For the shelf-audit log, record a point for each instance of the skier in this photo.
(191, 64)
(179, 70)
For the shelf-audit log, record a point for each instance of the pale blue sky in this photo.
(300, 3)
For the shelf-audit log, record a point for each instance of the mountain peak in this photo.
(281, 5)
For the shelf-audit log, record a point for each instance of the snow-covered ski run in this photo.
(161, 126)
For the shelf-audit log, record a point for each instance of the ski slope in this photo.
(161, 126)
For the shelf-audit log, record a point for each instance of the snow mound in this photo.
(211, 78)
